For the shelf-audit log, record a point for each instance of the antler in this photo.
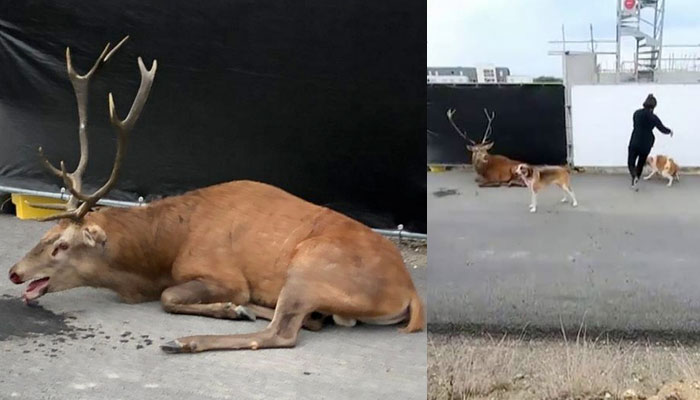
(73, 180)
(461, 133)
(488, 127)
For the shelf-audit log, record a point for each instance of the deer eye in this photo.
(60, 246)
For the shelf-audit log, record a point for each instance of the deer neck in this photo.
(142, 244)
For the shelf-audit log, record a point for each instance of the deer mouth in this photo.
(35, 289)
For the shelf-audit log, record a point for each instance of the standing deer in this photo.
(492, 169)
(236, 250)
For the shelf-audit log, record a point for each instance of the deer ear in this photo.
(488, 146)
(94, 235)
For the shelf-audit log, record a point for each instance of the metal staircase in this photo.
(642, 20)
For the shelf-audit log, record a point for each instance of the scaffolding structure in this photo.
(633, 21)
(640, 23)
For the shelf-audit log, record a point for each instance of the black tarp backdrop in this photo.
(323, 99)
(529, 125)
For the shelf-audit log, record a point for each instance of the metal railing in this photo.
(63, 195)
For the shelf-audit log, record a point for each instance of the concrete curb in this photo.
(577, 169)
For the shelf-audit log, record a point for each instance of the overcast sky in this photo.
(514, 33)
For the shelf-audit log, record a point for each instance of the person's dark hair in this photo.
(650, 102)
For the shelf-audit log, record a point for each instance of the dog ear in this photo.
(530, 171)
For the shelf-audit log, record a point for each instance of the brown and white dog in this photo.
(665, 166)
(537, 178)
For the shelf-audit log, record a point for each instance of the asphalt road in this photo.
(620, 261)
(86, 344)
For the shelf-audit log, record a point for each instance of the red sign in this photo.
(629, 4)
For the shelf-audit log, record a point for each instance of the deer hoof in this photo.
(575, 204)
(533, 209)
(174, 347)
(244, 313)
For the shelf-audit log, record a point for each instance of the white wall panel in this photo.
(602, 122)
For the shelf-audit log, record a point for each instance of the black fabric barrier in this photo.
(529, 124)
(323, 99)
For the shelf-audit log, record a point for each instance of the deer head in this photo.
(74, 247)
(479, 150)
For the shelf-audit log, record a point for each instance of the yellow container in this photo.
(437, 168)
(25, 211)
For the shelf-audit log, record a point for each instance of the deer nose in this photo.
(14, 277)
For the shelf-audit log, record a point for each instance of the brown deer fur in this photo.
(492, 170)
(244, 241)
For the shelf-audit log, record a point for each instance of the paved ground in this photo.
(85, 344)
(621, 260)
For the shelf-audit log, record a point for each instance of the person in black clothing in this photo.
(642, 139)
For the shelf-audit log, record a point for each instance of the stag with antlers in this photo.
(237, 250)
(492, 169)
(80, 203)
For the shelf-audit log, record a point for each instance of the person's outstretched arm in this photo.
(659, 125)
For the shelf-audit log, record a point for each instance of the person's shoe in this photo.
(635, 184)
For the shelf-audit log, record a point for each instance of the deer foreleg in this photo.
(292, 308)
(199, 297)
(518, 182)
(486, 183)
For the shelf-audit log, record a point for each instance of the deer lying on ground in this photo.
(492, 169)
(236, 250)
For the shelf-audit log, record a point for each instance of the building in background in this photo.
(487, 73)
(452, 75)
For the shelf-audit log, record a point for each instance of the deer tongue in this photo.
(35, 289)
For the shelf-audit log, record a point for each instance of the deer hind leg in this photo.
(349, 291)
(313, 322)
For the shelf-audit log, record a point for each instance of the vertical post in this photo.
(660, 42)
(563, 39)
(593, 53)
(636, 62)
(617, 44)
(567, 101)
(638, 10)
